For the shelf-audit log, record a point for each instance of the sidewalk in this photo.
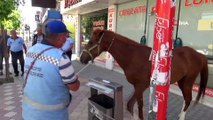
(10, 97)
(199, 112)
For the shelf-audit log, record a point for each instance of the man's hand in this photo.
(74, 86)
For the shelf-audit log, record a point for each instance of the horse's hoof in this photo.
(130, 109)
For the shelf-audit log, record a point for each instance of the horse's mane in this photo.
(125, 39)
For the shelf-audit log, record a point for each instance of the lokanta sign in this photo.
(98, 24)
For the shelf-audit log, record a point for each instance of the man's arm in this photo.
(8, 46)
(71, 44)
(67, 73)
(25, 48)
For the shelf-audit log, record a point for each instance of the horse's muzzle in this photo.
(84, 59)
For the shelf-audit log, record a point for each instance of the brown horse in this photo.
(133, 58)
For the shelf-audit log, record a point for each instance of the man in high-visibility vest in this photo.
(46, 93)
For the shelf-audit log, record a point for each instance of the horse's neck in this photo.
(122, 52)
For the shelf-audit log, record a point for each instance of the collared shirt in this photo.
(67, 44)
(39, 38)
(66, 69)
(15, 45)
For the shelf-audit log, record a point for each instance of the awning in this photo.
(88, 6)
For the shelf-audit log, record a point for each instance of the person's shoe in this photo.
(22, 74)
(1, 73)
(16, 75)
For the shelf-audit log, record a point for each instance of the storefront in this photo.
(128, 18)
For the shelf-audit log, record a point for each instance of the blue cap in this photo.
(55, 26)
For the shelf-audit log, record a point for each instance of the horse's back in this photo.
(186, 62)
(188, 54)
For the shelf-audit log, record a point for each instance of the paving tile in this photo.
(19, 85)
(8, 98)
(20, 96)
(7, 86)
(9, 102)
(9, 108)
(10, 114)
(8, 93)
(8, 90)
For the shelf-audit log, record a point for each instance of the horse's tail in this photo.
(203, 80)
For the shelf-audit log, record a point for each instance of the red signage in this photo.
(132, 11)
(195, 88)
(98, 24)
(208, 92)
(69, 3)
(197, 2)
(111, 12)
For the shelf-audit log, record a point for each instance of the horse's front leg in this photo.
(139, 96)
(131, 102)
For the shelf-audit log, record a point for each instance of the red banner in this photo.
(161, 55)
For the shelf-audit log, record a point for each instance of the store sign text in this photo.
(98, 25)
(132, 11)
(69, 3)
(111, 13)
(197, 2)
(184, 23)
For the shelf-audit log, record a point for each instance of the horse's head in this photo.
(97, 44)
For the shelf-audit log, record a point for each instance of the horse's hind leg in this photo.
(131, 102)
(186, 89)
(139, 95)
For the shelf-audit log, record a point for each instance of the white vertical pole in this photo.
(77, 35)
(111, 25)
